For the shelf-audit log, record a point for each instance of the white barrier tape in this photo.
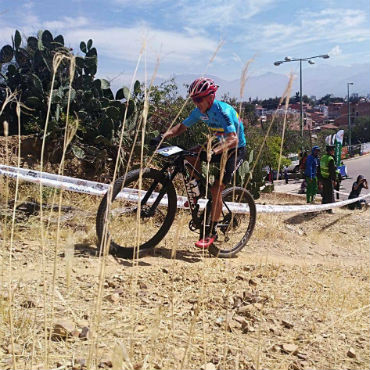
(341, 192)
(55, 181)
(96, 188)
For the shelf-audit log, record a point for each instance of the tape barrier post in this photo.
(96, 188)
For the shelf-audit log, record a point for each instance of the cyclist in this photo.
(223, 121)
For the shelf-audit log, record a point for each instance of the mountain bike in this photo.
(141, 208)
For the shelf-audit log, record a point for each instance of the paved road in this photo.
(355, 167)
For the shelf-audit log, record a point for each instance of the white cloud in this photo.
(66, 23)
(331, 25)
(220, 14)
(335, 51)
(125, 44)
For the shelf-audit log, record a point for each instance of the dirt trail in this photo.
(296, 297)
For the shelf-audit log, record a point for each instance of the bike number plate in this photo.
(170, 150)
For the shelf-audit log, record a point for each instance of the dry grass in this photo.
(187, 311)
(296, 297)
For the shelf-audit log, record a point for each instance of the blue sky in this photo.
(185, 34)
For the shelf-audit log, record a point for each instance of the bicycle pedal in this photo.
(206, 242)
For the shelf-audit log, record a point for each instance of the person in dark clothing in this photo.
(357, 186)
(302, 166)
(337, 182)
(286, 176)
(328, 176)
(312, 163)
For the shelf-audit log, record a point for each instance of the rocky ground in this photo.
(297, 297)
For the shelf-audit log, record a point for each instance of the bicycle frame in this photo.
(170, 170)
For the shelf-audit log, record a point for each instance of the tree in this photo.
(360, 130)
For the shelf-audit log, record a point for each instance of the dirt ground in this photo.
(296, 297)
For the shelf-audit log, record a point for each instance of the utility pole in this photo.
(310, 61)
(349, 121)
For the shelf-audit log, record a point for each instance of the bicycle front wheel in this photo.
(132, 223)
(236, 228)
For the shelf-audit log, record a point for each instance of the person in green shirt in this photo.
(328, 176)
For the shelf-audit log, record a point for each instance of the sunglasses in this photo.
(198, 100)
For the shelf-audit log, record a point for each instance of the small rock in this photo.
(18, 349)
(75, 333)
(287, 324)
(119, 291)
(178, 354)
(351, 353)
(63, 329)
(275, 348)
(114, 297)
(289, 348)
(81, 362)
(250, 297)
(139, 365)
(208, 366)
(244, 310)
(301, 355)
(239, 319)
(259, 306)
(105, 364)
(252, 282)
(274, 330)
(85, 333)
(248, 329)
(305, 364)
(142, 285)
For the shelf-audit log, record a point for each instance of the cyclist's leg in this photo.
(234, 160)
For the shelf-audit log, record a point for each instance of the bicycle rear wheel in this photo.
(133, 226)
(235, 229)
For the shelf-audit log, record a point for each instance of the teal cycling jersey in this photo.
(221, 118)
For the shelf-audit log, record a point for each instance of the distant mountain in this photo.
(316, 81)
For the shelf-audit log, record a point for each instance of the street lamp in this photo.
(300, 60)
(349, 120)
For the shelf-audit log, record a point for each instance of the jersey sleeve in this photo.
(230, 120)
(193, 118)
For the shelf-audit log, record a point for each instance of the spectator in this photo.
(338, 181)
(302, 166)
(286, 177)
(312, 163)
(328, 176)
(357, 186)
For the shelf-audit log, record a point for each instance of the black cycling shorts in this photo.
(232, 164)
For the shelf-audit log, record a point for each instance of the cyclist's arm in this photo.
(175, 131)
(230, 142)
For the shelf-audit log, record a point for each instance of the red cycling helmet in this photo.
(202, 87)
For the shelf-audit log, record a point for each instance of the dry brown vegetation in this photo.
(296, 297)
